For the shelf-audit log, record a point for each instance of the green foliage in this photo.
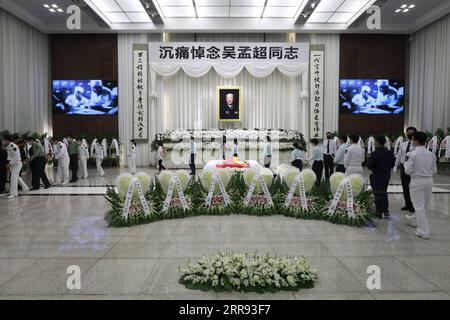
(318, 200)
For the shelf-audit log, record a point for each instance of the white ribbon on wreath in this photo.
(445, 145)
(217, 179)
(345, 183)
(105, 147)
(370, 145)
(93, 147)
(114, 145)
(47, 147)
(174, 183)
(361, 143)
(433, 144)
(84, 143)
(397, 144)
(128, 200)
(258, 178)
(388, 143)
(298, 182)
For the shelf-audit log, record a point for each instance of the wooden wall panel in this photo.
(366, 56)
(84, 57)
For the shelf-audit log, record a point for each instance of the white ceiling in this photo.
(231, 15)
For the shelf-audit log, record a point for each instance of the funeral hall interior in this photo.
(225, 149)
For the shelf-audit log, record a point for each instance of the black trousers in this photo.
(328, 162)
(298, 164)
(340, 168)
(3, 174)
(406, 179)
(192, 163)
(379, 183)
(74, 166)
(160, 165)
(38, 173)
(317, 167)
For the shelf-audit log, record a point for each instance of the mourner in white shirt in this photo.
(354, 157)
(193, 154)
(329, 152)
(297, 157)
(14, 165)
(340, 154)
(61, 154)
(99, 154)
(420, 164)
(405, 147)
(160, 154)
(132, 153)
(83, 154)
(235, 148)
(267, 152)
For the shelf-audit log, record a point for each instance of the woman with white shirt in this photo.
(317, 160)
(132, 157)
(297, 156)
(267, 153)
(160, 154)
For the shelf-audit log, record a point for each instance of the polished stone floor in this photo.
(42, 235)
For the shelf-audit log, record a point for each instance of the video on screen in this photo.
(85, 97)
(374, 96)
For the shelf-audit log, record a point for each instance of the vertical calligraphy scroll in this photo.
(140, 93)
(317, 55)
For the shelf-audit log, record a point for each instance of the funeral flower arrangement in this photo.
(281, 194)
(248, 273)
(212, 139)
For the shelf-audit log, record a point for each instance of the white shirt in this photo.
(329, 145)
(340, 154)
(159, 153)
(61, 151)
(268, 149)
(401, 153)
(132, 152)
(193, 147)
(13, 154)
(420, 163)
(99, 150)
(297, 154)
(354, 156)
(235, 150)
(83, 151)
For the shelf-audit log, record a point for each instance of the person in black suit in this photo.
(381, 161)
(37, 164)
(229, 109)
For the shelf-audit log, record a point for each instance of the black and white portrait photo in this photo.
(229, 103)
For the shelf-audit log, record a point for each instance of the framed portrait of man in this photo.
(229, 103)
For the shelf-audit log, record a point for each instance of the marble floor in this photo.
(42, 235)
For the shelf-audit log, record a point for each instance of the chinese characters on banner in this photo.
(140, 107)
(316, 91)
(222, 52)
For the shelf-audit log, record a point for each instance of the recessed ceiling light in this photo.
(60, 10)
(54, 5)
(398, 10)
(405, 10)
(46, 6)
(52, 10)
(404, 6)
(411, 6)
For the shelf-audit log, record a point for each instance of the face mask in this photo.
(409, 136)
(329, 137)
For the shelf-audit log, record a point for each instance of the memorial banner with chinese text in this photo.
(316, 95)
(140, 92)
